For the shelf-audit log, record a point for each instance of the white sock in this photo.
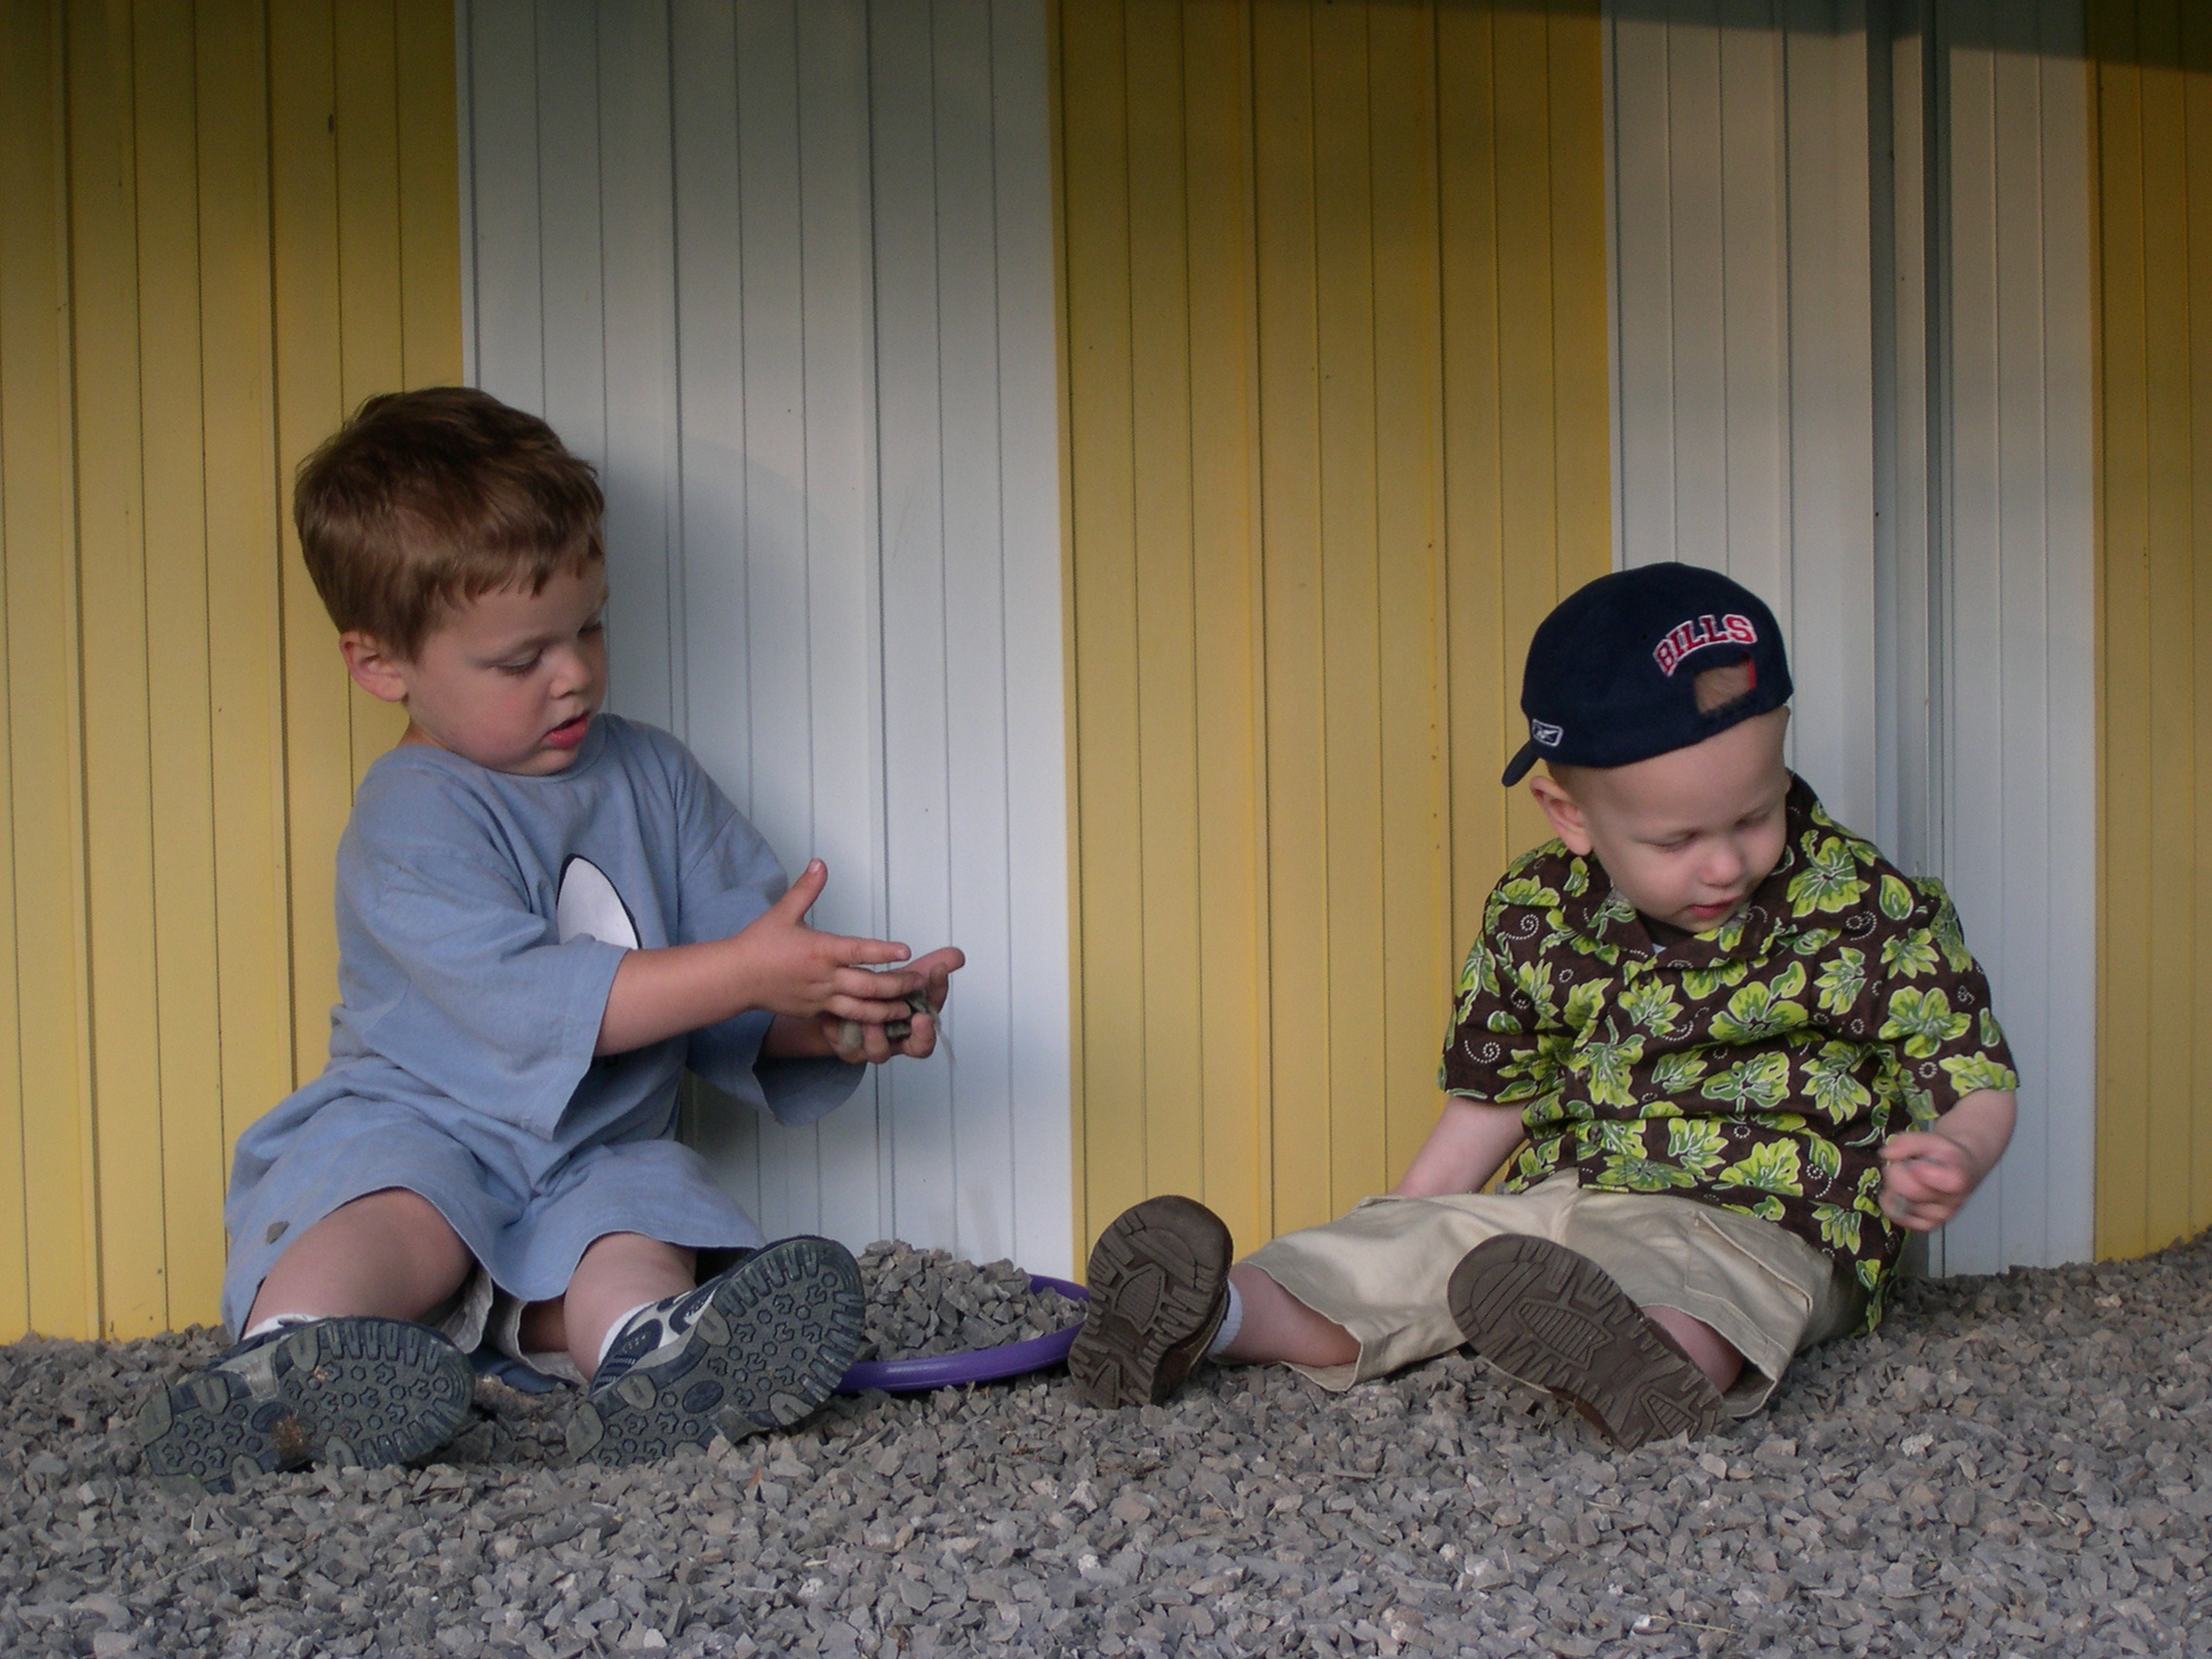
(276, 1322)
(1231, 1322)
(615, 1330)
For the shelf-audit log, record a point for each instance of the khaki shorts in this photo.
(1382, 1273)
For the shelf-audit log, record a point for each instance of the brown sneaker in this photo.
(1556, 1321)
(1159, 1288)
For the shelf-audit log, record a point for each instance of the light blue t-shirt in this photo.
(481, 917)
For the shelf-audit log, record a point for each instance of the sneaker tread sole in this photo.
(1554, 1319)
(1158, 1279)
(365, 1391)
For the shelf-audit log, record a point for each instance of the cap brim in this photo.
(1517, 769)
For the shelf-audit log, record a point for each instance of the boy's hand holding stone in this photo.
(811, 982)
(1928, 1173)
(912, 1030)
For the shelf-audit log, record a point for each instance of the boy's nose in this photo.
(1724, 869)
(571, 672)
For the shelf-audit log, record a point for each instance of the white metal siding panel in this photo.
(503, 306)
(1036, 1012)
(918, 403)
(2021, 694)
(833, 398)
(1908, 814)
(636, 236)
(1829, 325)
(1744, 328)
(785, 271)
(1945, 692)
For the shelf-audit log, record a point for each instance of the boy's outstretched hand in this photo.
(823, 987)
(793, 969)
(812, 981)
(1927, 1174)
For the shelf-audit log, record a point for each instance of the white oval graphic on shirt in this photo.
(589, 907)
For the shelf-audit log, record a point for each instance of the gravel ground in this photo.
(2012, 1465)
(922, 1303)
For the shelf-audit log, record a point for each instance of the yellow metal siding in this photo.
(2152, 91)
(220, 227)
(49, 1259)
(1335, 293)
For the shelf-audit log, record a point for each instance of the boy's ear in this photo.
(1564, 811)
(374, 669)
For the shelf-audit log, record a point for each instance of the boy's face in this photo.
(1686, 835)
(509, 680)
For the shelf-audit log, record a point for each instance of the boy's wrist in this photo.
(739, 976)
(792, 1038)
(1980, 1126)
(1979, 1160)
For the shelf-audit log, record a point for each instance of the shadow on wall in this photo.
(1996, 25)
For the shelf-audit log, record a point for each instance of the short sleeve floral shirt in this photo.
(1758, 1067)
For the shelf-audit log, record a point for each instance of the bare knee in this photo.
(391, 1253)
(399, 1212)
(398, 1206)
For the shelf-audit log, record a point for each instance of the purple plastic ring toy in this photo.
(976, 1365)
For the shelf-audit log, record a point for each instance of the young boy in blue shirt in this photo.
(1735, 1049)
(545, 915)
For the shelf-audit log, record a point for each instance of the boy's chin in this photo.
(1690, 921)
(543, 763)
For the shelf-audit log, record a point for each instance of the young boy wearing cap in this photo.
(1735, 1049)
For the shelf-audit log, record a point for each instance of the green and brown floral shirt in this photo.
(1758, 1067)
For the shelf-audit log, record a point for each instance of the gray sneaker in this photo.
(365, 1391)
(752, 1350)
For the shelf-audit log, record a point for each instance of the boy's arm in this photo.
(1927, 1173)
(1470, 1140)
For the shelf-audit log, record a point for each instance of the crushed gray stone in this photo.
(923, 1303)
(2012, 1465)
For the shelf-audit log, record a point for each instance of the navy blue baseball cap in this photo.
(1612, 671)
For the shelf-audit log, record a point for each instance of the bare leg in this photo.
(1714, 1353)
(386, 1255)
(1278, 1326)
(618, 1272)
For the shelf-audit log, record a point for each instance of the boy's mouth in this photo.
(1711, 913)
(569, 733)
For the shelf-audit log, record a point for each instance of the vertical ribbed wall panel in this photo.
(789, 283)
(2017, 694)
(221, 226)
(1902, 471)
(2151, 97)
(1337, 419)
(1744, 329)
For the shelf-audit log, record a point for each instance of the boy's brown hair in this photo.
(429, 498)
